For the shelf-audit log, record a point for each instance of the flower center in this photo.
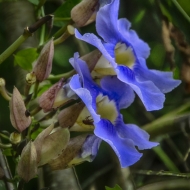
(102, 68)
(106, 108)
(124, 55)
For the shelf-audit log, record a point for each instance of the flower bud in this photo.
(84, 12)
(18, 116)
(54, 144)
(64, 95)
(27, 165)
(3, 90)
(73, 148)
(15, 138)
(92, 58)
(68, 116)
(30, 78)
(47, 99)
(43, 65)
(49, 143)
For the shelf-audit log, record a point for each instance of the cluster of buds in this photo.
(60, 108)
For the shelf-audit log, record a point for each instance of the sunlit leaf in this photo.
(114, 188)
(25, 57)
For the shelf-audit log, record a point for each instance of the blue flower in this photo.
(124, 55)
(103, 105)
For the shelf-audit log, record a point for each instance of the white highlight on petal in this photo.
(124, 55)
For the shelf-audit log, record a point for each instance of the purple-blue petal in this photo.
(139, 137)
(90, 147)
(149, 94)
(85, 95)
(122, 93)
(162, 80)
(106, 20)
(130, 37)
(124, 148)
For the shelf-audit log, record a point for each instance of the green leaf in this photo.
(62, 14)
(114, 188)
(7, 152)
(24, 58)
(35, 2)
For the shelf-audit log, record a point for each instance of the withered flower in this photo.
(18, 117)
(43, 65)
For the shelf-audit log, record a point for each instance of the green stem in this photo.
(36, 88)
(162, 173)
(42, 34)
(35, 111)
(64, 75)
(166, 160)
(4, 136)
(5, 145)
(158, 126)
(9, 51)
(181, 10)
(41, 3)
(62, 30)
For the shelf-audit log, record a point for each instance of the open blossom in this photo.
(124, 55)
(103, 113)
